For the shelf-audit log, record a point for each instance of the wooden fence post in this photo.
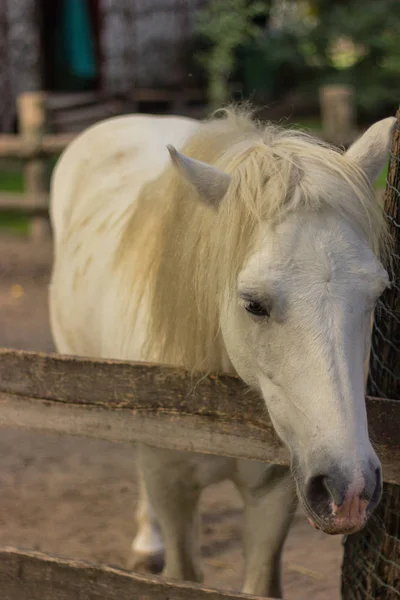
(32, 123)
(371, 564)
(338, 113)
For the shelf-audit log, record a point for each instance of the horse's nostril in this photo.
(317, 490)
(321, 489)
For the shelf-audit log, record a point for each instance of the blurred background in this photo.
(142, 54)
(329, 66)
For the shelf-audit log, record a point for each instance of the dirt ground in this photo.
(76, 497)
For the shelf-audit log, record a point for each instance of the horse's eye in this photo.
(256, 308)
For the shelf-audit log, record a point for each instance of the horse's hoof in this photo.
(146, 563)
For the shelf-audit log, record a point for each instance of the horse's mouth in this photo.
(333, 525)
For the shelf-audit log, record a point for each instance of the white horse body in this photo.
(94, 187)
(311, 283)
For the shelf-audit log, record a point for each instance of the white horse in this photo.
(255, 251)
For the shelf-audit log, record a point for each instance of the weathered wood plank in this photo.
(32, 123)
(26, 575)
(93, 113)
(63, 100)
(148, 403)
(117, 384)
(159, 427)
(28, 203)
(167, 95)
(124, 402)
(337, 104)
(15, 146)
(55, 143)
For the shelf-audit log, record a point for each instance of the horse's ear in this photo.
(210, 183)
(370, 152)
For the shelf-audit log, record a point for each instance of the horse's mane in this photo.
(189, 254)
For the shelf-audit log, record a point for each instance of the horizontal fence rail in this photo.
(26, 575)
(34, 146)
(15, 146)
(39, 113)
(158, 405)
(25, 203)
(32, 202)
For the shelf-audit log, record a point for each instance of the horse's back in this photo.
(107, 155)
(93, 192)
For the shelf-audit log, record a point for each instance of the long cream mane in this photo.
(189, 254)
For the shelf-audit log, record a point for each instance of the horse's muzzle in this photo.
(339, 504)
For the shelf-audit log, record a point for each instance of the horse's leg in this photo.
(147, 546)
(270, 501)
(174, 493)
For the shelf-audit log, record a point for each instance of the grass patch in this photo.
(380, 181)
(311, 125)
(14, 222)
(12, 181)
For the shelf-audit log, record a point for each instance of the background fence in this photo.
(39, 114)
(34, 147)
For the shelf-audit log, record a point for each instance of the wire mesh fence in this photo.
(371, 569)
(371, 565)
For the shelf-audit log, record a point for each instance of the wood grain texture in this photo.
(158, 405)
(26, 575)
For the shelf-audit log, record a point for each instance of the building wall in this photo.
(20, 68)
(145, 42)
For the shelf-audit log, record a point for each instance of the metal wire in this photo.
(371, 565)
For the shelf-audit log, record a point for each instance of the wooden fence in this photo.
(34, 146)
(127, 402)
(37, 114)
(158, 405)
(27, 575)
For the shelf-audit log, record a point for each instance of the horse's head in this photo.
(297, 326)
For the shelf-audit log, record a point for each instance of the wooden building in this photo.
(97, 56)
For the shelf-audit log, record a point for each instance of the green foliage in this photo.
(14, 222)
(380, 181)
(309, 42)
(281, 63)
(11, 180)
(373, 27)
(225, 25)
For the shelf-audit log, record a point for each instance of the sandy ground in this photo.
(76, 497)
